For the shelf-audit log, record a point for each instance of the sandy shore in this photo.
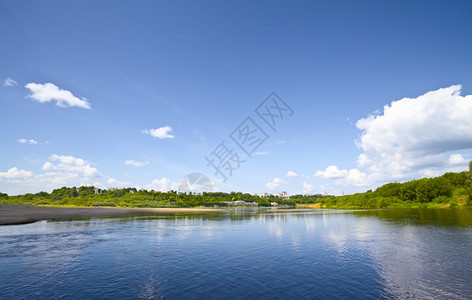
(23, 214)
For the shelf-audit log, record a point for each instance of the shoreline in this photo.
(17, 214)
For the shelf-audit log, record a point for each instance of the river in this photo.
(243, 254)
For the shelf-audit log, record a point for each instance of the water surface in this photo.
(243, 254)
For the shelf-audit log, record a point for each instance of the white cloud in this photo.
(457, 159)
(272, 185)
(49, 180)
(411, 138)
(116, 183)
(30, 141)
(356, 178)
(49, 92)
(353, 177)
(15, 173)
(162, 185)
(57, 172)
(307, 188)
(70, 164)
(136, 164)
(332, 172)
(291, 174)
(9, 82)
(412, 135)
(161, 133)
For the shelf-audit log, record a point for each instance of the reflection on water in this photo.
(428, 251)
(422, 216)
(243, 253)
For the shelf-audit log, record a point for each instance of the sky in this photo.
(260, 96)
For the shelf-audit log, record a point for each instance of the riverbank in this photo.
(24, 214)
(450, 205)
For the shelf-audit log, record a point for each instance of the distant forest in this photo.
(131, 197)
(447, 191)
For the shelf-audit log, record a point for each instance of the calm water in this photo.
(243, 254)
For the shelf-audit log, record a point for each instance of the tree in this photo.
(469, 180)
(389, 190)
(430, 188)
(457, 179)
(408, 190)
(469, 185)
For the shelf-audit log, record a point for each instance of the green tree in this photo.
(470, 170)
(408, 190)
(430, 188)
(469, 185)
(469, 195)
(457, 179)
(389, 190)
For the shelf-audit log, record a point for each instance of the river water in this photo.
(243, 254)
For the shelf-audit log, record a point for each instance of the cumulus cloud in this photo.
(332, 172)
(136, 164)
(58, 171)
(16, 174)
(412, 135)
(116, 183)
(160, 133)
(272, 185)
(353, 177)
(307, 188)
(291, 174)
(162, 185)
(457, 159)
(26, 141)
(49, 92)
(411, 138)
(70, 164)
(9, 82)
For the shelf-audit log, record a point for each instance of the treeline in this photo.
(448, 190)
(131, 197)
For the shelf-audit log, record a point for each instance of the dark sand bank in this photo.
(23, 214)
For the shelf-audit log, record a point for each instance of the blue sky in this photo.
(126, 93)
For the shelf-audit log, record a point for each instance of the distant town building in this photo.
(240, 203)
